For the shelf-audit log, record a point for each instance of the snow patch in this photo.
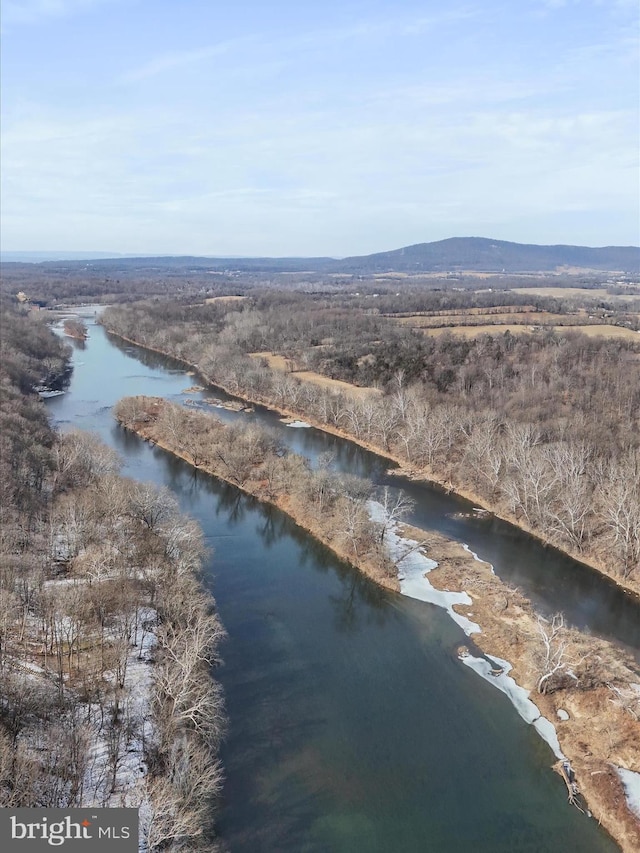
(413, 567)
(631, 784)
(476, 558)
(131, 768)
(298, 425)
(519, 697)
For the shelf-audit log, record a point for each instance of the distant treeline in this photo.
(52, 283)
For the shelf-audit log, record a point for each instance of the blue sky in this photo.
(308, 128)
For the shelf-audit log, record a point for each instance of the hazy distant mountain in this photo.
(452, 255)
(40, 257)
(111, 262)
(485, 255)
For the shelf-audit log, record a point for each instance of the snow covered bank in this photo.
(519, 697)
(475, 557)
(298, 424)
(413, 569)
(117, 769)
(631, 783)
(46, 394)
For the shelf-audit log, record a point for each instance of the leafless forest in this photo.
(107, 638)
(563, 667)
(332, 505)
(542, 427)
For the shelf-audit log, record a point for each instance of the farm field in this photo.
(279, 362)
(525, 318)
(560, 292)
(608, 331)
(481, 329)
(224, 299)
(595, 330)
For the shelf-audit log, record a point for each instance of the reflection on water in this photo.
(550, 579)
(353, 726)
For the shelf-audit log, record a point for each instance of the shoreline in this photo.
(283, 504)
(506, 636)
(468, 589)
(421, 476)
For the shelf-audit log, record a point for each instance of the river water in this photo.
(354, 727)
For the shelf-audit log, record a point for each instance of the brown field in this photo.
(275, 362)
(499, 310)
(573, 291)
(608, 331)
(500, 329)
(279, 362)
(224, 299)
(533, 318)
(473, 331)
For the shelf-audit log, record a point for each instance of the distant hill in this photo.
(453, 255)
(111, 263)
(485, 255)
(40, 257)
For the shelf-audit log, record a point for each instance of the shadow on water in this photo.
(552, 580)
(353, 727)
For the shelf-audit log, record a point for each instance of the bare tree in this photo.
(396, 505)
(620, 497)
(553, 658)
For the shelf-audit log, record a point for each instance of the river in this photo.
(354, 727)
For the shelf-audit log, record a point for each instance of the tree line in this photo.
(108, 638)
(544, 428)
(335, 507)
(332, 505)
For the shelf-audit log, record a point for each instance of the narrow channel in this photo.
(550, 579)
(353, 726)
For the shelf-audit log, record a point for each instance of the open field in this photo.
(495, 321)
(275, 362)
(279, 362)
(525, 318)
(224, 299)
(498, 310)
(519, 329)
(595, 293)
(608, 331)
(474, 331)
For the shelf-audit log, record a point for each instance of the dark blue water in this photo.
(553, 581)
(353, 725)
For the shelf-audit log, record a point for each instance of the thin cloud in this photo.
(300, 43)
(183, 58)
(386, 27)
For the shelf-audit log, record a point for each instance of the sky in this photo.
(282, 127)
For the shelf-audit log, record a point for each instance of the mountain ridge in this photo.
(453, 254)
(482, 254)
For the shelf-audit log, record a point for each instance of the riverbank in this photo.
(509, 631)
(630, 586)
(596, 722)
(322, 526)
